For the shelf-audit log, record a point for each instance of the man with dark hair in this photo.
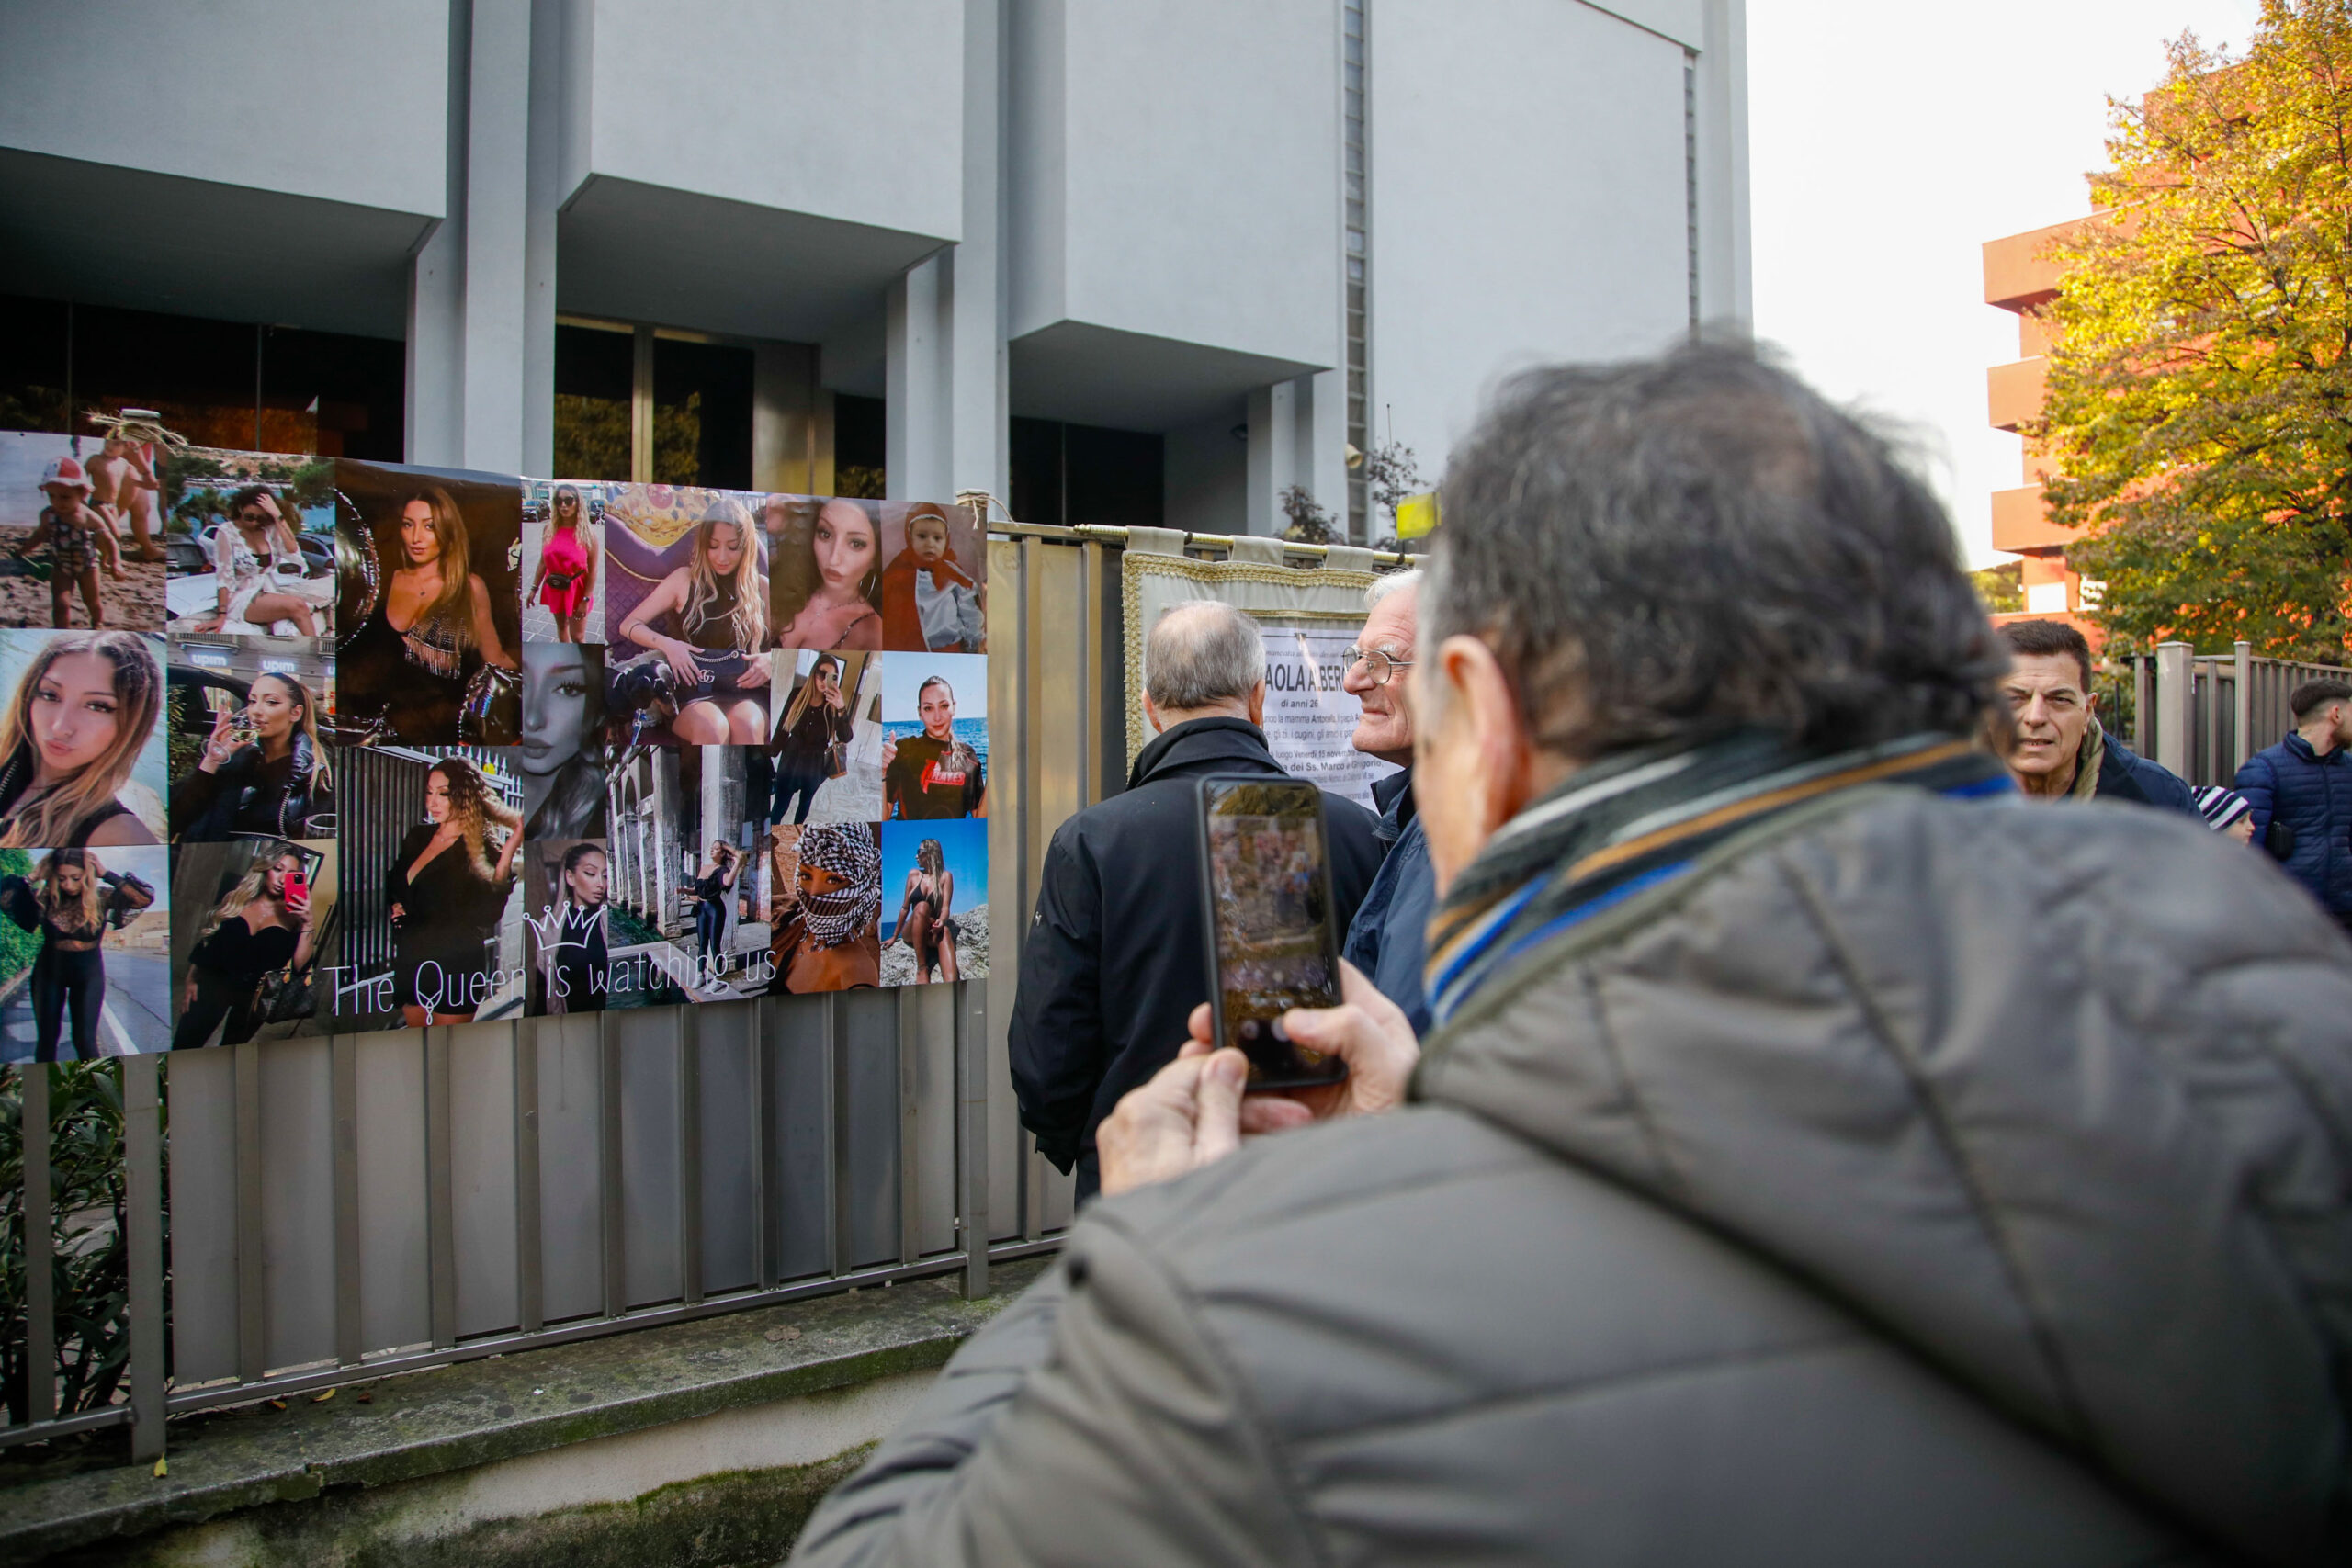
(1818, 1159)
(1115, 958)
(2301, 793)
(2059, 752)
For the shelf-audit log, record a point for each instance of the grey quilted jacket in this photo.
(1922, 1182)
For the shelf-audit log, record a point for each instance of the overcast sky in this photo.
(1887, 143)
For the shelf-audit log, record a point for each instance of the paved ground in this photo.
(136, 1017)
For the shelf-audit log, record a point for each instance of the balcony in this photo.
(2013, 392)
(2021, 524)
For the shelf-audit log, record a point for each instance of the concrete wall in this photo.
(1175, 172)
(1528, 200)
(833, 108)
(342, 99)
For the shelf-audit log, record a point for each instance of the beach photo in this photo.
(935, 735)
(73, 552)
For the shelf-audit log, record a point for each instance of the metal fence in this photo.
(349, 1206)
(2203, 715)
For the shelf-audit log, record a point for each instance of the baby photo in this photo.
(934, 579)
(79, 542)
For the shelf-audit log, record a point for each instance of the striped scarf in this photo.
(1643, 818)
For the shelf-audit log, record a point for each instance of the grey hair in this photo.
(1392, 582)
(1202, 652)
(1676, 548)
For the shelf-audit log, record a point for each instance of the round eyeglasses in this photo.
(1376, 664)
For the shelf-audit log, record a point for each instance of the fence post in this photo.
(2175, 679)
(2241, 712)
(41, 1279)
(143, 1218)
(972, 1134)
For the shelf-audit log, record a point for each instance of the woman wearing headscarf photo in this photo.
(278, 785)
(716, 607)
(829, 587)
(573, 954)
(567, 581)
(69, 899)
(817, 720)
(266, 923)
(446, 894)
(562, 754)
(70, 738)
(431, 629)
(926, 922)
(830, 942)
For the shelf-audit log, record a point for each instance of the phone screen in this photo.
(1271, 947)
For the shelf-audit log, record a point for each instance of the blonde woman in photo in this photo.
(444, 893)
(265, 924)
(716, 609)
(432, 626)
(279, 783)
(70, 738)
(69, 899)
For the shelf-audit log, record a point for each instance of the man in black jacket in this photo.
(1115, 958)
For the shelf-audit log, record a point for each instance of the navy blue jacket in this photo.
(2124, 774)
(2291, 782)
(1116, 956)
(1389, 940)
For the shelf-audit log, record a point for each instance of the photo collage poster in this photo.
(300, 744)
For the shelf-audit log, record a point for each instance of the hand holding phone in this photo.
(1265, 869)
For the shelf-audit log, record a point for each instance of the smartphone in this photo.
(296, 885)
(1265, 865)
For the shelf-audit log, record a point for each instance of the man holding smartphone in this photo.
(1817, 1159)
(1116, 958)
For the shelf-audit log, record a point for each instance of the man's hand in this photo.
(1193, 1113)
(1188, 1115)
(1366, 1031)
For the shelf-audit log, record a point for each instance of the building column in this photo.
(980, 432)
(917, 437)
(1323, 436)
(481, 291)
(1288, 447)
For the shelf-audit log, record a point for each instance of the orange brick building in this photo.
(2020, 279)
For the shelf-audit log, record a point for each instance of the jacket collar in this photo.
(1200, 744)
(1393, 798)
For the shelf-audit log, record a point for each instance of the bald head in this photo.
(1203, 659)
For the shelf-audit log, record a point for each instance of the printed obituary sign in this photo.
(1310, 716)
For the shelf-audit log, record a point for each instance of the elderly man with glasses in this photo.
(1385, 940)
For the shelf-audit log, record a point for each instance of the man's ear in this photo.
(2090, 702)
(1257, 704)
(1151, 712)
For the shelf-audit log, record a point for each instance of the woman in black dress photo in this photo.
(430, 631)
(266, 924)
(716, 607)
(276, 785)
(710, 914)
(572, 953)
(444, 893)
(817, 721)
(70, 900)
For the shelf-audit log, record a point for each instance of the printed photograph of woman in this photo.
(827, 748)
(712, 891)
(446, 894)
(934, 586)
(940, 872)
(81, 755)
(561, 755)
(264, 769)
(571, 952)
(827, 572)
(708, 620)
(69, 900)
(249, 539)
(428, 614)
(564, 551)
(253, 920)
(934, 721)
(825, 908)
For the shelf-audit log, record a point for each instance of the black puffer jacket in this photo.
(1915, 1182)
(240, 798)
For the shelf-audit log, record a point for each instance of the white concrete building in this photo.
(1129, 261)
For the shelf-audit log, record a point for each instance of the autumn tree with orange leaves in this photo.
(2198, 402)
